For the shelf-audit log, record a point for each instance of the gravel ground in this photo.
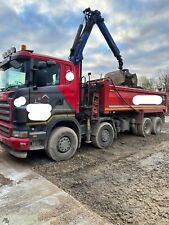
(126, 184)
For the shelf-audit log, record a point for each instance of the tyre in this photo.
(134, 129)
(62, 144)
(103, 135)
(157, 125)
(145, 128)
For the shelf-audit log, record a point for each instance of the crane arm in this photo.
(83, 33)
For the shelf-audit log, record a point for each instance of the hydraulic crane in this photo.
(83, 33)
(120, 77)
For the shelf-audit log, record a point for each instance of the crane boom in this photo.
(83, 33)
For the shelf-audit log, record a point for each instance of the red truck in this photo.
(45, 105)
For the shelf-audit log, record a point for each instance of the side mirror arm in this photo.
(33, 79)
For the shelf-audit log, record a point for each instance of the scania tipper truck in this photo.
(46, 103)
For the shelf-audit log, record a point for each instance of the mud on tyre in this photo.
(62, 144)
(103, 135)
(145, 128)
(157, 125)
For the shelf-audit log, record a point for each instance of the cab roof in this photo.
(31, 54)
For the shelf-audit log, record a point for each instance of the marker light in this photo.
(23, 47)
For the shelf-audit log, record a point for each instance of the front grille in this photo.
(5, 117)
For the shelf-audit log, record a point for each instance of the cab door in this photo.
(69, 87)
(54, 88)
(46, 90)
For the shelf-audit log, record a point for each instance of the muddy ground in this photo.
(4, 180)
(126, 184)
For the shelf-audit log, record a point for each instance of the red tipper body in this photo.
(118, 98)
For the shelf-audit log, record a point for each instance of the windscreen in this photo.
(12, 77)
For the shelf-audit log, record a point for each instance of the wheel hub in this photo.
(64, 144)
(147, 128)
(105, 135)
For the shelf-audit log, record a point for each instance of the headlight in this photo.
(20, 134)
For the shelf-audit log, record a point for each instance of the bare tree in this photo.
(147, 83)
(163, 80)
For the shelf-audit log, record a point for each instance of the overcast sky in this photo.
(140, 29)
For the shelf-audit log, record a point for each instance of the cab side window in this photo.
(48, 76)
(53, 74)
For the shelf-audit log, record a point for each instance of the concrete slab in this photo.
(27, 198)
(167, 119)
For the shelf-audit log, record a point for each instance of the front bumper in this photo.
(16, 143)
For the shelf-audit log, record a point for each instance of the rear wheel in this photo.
(103, 135)
(145, 128)
(157, 125)
(62, 144)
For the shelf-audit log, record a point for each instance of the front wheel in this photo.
(62, 144)
(103, 135)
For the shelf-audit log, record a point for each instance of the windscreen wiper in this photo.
(9, 87)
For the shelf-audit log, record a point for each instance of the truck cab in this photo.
(35, 90)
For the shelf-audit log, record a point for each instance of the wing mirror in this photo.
(51, 63)
(40, 78)
(41, 65)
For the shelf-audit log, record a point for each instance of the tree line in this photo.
(159, 82)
